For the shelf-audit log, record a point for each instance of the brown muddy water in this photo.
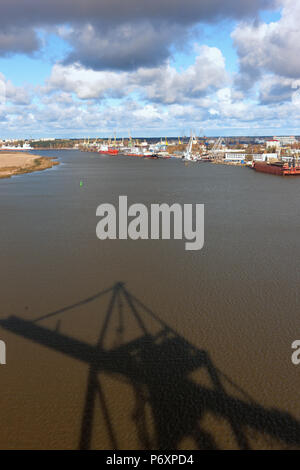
(125, 344)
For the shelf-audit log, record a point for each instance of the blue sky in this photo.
(228, 71)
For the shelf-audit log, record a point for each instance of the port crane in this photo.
(188, 155)
(216, 153)
(130, 143)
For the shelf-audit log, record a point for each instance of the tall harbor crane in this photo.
(216, 153)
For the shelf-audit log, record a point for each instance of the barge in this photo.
(277, 168)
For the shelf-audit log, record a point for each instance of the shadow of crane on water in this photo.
(158, 366)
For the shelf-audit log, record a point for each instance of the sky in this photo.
(73, 68)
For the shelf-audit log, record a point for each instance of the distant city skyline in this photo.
(153, 137)
(160, 68)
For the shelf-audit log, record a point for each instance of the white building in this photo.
(290, 140)
(264, 157)
(235, 156)
(259, 157)
(273, 143)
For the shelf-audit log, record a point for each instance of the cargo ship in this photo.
(135, 152)
(277, 168)
(104, 149)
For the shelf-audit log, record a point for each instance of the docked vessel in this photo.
(277, 168)
(106, 150)
(135, 152)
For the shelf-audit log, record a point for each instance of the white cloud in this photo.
(13, 94)
(167, 85)
(275, 89)
(161, 84)
(84, 117)
(86, 83)
(272, 48)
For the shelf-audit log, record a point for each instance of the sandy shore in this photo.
(20, 163)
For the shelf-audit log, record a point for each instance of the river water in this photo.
(141, 344)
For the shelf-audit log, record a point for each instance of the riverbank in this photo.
(12, 163)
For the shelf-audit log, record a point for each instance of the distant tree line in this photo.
(53, 144)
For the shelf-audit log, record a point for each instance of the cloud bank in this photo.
(119, 70)
(114, 34)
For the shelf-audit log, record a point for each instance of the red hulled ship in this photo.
(277, 168)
